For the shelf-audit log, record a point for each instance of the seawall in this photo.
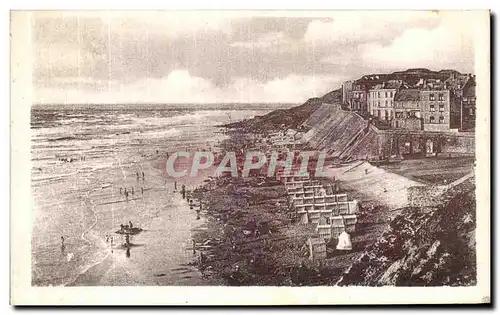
(348, 136)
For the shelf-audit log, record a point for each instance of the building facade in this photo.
(468, 105)
(435, 109)
(381, 100)
(346, 88)
(357, 100)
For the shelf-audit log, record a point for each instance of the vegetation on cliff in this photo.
(286, 118)
(424, 247)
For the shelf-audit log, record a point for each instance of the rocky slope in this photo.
(286, 118)
(424, 247)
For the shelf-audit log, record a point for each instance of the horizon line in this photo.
(166, 103)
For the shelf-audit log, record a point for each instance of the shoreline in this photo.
(164, 207)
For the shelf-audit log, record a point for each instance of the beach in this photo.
(82, 159)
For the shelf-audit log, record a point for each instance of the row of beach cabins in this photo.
(317, 204)
(332, 213)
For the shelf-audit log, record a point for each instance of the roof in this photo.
(389, 85)
(457, 81)
(470, 88)
(322, 221)
(407, 95)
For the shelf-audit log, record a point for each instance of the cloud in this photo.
(172, 24)
(220, 56)
(446, 46)
(264, 41)
(354, 27)
(181, 87)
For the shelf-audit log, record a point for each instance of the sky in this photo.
(242, 56)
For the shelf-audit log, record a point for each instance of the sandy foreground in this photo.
(163, 253)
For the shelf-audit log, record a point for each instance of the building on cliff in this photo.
(426, 103)
(468, 106)
(356, 99)
(436, 109)
(463, 101)
(407, 110)
(346, 88)
(381, 99)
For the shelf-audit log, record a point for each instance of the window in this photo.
(441, 107)
(378, 94)
(361, 95)
(386, 115)
(432, 108)
(378, 102)
(378, 114)
(471, 111)
(386, 103)
(465, 99)
(390, 94)
(385, 94)
(441, 119)
(431, 97)
(441, 96)
(431, 119)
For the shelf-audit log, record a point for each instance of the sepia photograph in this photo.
(215, 150)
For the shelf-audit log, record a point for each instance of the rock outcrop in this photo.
(424, 246)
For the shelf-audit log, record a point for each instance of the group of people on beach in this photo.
(126, 227)
(124, 191)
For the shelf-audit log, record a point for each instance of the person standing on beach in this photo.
(126, 194)
(175, 186)
(121, 191)
(142, 190)
(183, 191)
(142, 175)
(132, 190)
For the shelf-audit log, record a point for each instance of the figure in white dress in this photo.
(344, 241)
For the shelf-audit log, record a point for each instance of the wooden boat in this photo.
(130, 231)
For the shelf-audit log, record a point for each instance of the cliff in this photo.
(424, 246)
(286, 118)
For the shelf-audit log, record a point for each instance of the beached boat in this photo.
(131, 231)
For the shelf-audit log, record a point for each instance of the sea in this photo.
(84, 157)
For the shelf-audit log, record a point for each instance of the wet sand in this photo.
(161, 254)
